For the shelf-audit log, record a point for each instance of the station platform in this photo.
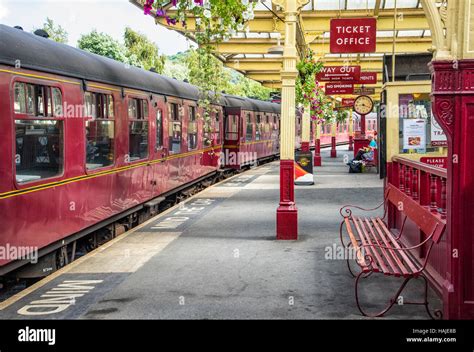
(215, 257)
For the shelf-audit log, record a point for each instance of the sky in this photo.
(82, 16)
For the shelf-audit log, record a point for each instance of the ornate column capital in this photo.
(291, 5)
(450, 79)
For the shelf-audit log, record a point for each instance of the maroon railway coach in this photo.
(88, 141)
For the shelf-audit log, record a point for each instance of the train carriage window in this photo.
(20, 98)
(249, 132)
(57, 102)
(39, 141)
(39, 149)
(192, 129)
(175, 130)
(100, 130)
(138, 129)
(258, 128)
(206, 131)
(231, 128)
(159, 129)
(217, 128)
(37, 100)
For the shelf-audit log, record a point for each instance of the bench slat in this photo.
(402, 253)
(377, 260)
(355, 244)
(393, 253)
(385, 252)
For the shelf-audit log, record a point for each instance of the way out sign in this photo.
(339, 74)
(353, 35)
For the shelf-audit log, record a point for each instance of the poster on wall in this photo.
(438, 137)
(414, 134)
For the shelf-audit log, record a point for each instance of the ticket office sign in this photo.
(353, 35)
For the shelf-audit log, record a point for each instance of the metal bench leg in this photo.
(390, 305)
(438, 314)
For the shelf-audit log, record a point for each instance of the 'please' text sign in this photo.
(353, 35)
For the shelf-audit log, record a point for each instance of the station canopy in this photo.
(400, 30)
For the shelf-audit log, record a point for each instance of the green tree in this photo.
(104, 45)
(143, 51)
(201, 67)
(56, 33)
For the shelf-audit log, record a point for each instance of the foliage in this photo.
(342, 115)
(137, 51)
(215, 21)
(56, 33)
(189, 65)
(143, 51)
(104, 45)
(309, 92)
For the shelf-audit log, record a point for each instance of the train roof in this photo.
(251, 104)
(45, 55)
(41, 54)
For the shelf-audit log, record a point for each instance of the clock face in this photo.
(363, 105)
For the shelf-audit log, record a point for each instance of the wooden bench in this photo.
(379, 250)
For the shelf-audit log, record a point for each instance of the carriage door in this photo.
(231, 140)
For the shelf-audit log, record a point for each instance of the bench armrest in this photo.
(346, 210)
(403, 249)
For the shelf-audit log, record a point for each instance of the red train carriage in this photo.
(87, 141)
(252, 131)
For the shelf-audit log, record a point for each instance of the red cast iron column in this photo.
(453, 107)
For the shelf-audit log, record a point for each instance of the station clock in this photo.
(363, 105)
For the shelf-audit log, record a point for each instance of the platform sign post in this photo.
(317, 147)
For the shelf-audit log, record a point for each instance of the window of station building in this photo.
(419, 132)
(39, 142)
(138, 129)
(37, 100)
(175, 128)
(249, 130)
(192, 129)
(159, 129)
(231, 128)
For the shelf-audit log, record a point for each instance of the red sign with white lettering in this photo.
(441, 162)
(348, 102)
(339, 88)
(339, 73)
(353, 35)
(368, 78)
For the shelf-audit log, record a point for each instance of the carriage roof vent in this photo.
(41, 33)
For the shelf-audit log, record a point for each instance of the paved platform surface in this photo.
(215, 257)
